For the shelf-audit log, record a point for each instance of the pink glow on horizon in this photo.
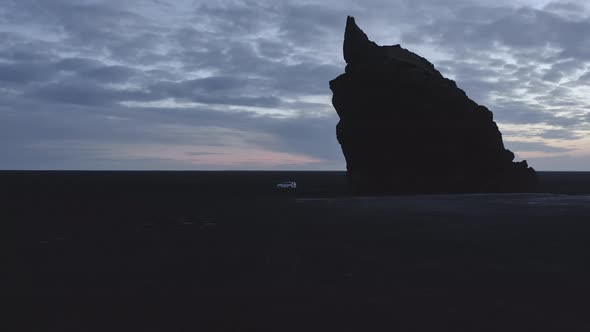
(251, 157)
(216, 156)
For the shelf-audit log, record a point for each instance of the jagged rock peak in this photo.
(359, 49)
(357, 46)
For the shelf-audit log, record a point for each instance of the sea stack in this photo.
(406, 129)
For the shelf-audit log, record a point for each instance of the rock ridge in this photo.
(404, 128)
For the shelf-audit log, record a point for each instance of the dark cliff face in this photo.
(404, 128)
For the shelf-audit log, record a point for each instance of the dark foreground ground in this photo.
(225, 251)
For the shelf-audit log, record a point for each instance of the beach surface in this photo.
(227, 251)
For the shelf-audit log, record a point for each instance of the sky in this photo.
(228, 85)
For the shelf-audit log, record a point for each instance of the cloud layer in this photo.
(244, 84)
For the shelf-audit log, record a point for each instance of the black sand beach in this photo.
(226, 251)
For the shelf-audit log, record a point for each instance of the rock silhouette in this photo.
(404, 128)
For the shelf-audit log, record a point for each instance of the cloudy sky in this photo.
(184, 84)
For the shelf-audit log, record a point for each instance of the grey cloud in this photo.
(218, 52)
(23, 73)
(412, 37)
(552, 134)
(223, 83)
(560, 134)
(84, 93)
(563, 68)
(533, 146)
(520, 28)
(78, 64)
(564, 6)
(475, 33)
(305, 78)
(239, 61)
(315, 137)
(532, 28)
(99, 28)
(561, 162)
(567, 9)
(216, 90)
(307, 24)
(267, 102)
(274, 50)
(110, 74)
(161, 126)
(510, 67)
(584, 79)
(522, 113)
(15, 49)
(240, 17)
(236, 57)
(71, 65)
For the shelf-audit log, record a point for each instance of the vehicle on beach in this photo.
(287, 185)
